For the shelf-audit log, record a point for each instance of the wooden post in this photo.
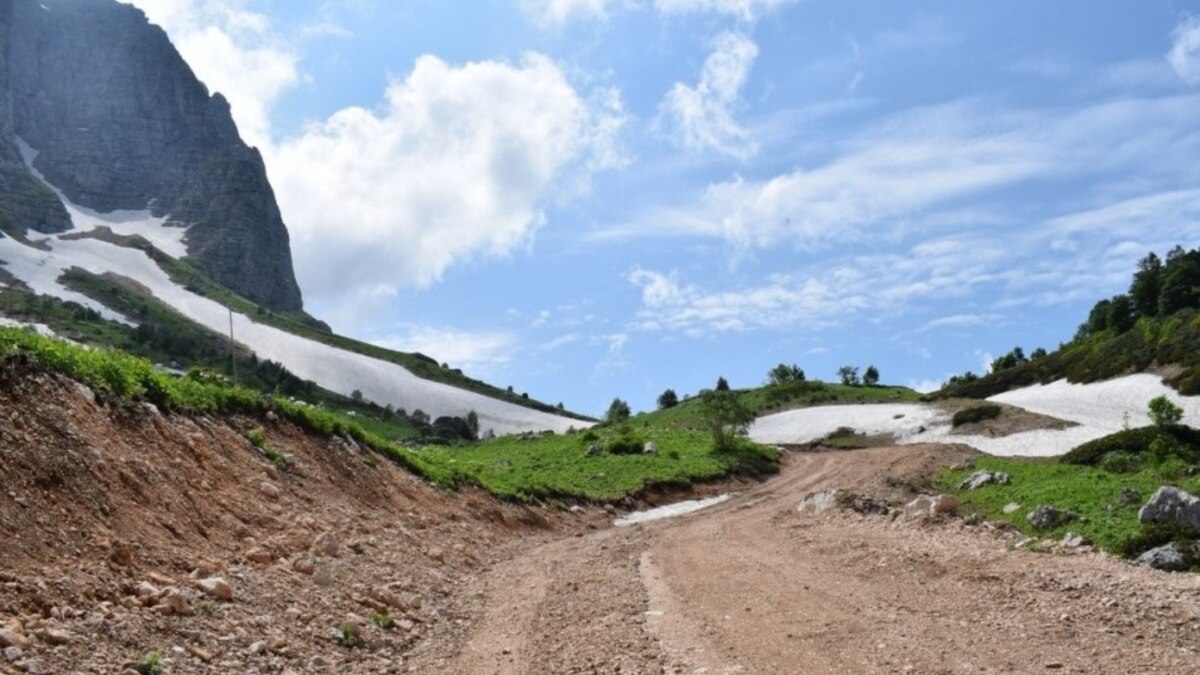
(232, 357)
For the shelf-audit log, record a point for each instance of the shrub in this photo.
(626, 441)
(1122, 462)
(848, 375)
(722, 384)
(668, 399)
(871, 376)
(784, 374)
(383, 620)
(151, 664)
(1164, 413)
(979, 413)
(726, 418)
(1185, 442)
(618, 411)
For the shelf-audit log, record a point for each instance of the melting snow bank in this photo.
(668, 511)
(1099, 409)
(338, 370)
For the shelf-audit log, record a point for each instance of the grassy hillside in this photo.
(1152, 342)
(527, 467)
(1156, 324)
(777, 397)
(305, 326)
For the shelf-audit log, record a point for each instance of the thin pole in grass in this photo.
(232, 358)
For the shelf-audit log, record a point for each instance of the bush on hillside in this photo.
(979, 413)
(1185, 441)
(626, 441)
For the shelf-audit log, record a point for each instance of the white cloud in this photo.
(747, 10)
(925, 386)
(913, 170)
(961, 321)
(555, 13)
(234, 51)
(701, 117)
(456, 163)
(472, 352)
(1184, 56)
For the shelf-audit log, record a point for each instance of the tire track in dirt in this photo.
(752, 586)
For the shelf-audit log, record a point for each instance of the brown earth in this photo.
(97, 498)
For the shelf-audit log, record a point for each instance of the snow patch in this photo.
(669, 511)
(1099, 409)
(40, 328)
(334, 369)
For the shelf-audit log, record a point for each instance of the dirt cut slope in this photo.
(110, 512)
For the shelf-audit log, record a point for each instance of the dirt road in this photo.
(753, 586)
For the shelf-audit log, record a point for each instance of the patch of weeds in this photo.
(348, 637)
(258, 439)
(383, 620)
(206, 607)
(151, 664)
(979, 413)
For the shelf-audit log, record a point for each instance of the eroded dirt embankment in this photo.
(101, 501)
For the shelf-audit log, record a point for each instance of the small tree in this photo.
(356, 395)
(871, 376)
(473, 423)
(419, 416)
(848, 375)
(783, 373)
(1164, 413)
(722, 384)
(667, 399)
(618, 411)
(726, 418)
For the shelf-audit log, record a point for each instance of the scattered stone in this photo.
(651, 448)
(216, 587)
(931, 506)
(1129, 496)
(176, 603)
(304, 565)
(844, 499)
(1047, 517)
(593, 450)
(322, 576)
(437, 554)
(1011, 507)
(1172, 506)
(1073, 540)
(326, 544)
(12, 654)
(53, 636)
(11, 638)
(269, 490)
(984, 477)
(1167, 558)
(944, 505)
(260, 556)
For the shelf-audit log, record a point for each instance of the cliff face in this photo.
(24, 202)
(120, 122)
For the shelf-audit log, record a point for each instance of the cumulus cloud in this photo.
(555, 13)
(1184, 56)
(457, 162)
(234, 51)
(747, 10)
(701, 117)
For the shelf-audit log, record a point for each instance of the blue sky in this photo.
(596, 198)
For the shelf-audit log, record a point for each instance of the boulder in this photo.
(1073, 540)
(984, 477)
(326, 544)
(11, 638)
(1172, 506)
(651, 448)
(1168, 558)
(216, 587)
(1011, 507)
(1047, 517)
(921, 506)
(260, 556)
(844, 499)
(304, 565)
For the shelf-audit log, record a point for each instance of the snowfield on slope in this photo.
(334, 369)
(1099, 409)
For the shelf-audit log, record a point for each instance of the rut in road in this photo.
(753, 586)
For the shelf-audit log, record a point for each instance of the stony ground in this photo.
(126, 531)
